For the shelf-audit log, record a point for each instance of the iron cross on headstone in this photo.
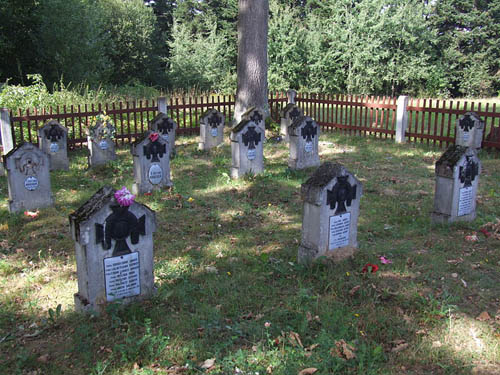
(256, 117)
(251, 138)
(294, 113)
(214, 120)
(155, 150)
(466, 123)
(119, 226)
(309, 131)
(54, 133)
(468, 172)
(341, 195)
(166, 125)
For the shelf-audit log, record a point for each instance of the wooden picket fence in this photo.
(429, 120)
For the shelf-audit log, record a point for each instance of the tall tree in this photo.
(252, 56)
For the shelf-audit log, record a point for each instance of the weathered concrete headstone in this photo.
(53, 140)
(211, 129)
(247, 140)
(151, 163)
(5, 135)
(330, 217)
(28, 178)
(469, 130)
(289, 114)
(303, 135)
(166, 127)
(100, 141)
(257, 115)
(114, 250)
(457, 180)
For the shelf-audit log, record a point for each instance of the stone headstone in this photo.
(257, 116)
(330, 218)
(166, 127)
(303, 135)
(114, 251)
(211, 129)
(289, 114)
(457, 180)
(100, 141)
(53, 140)
(28, 178)
(247, 140)
(6, 139)
(469, 130)
(151, 163)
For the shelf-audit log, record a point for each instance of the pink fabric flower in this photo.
(153, 136)
(124, 197)
(384, 260)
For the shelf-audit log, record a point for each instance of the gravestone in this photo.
(6, 139)
(28, 178)
(330, 216)
(257, 116)
(289, 114)
(457, 180)
(247, 149)
(303, 135)
(151, 163)
(114, 250)
(100, 141)
(469, 130)
(166, 127)
(211, 129)
(53, 140)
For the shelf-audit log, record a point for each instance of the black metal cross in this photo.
(214, 120)
(294, 113)
(155, 150)
(309, 131)
(54, 133)
(466, 123)
(118, 226)
(468, 173)
(256, 117)
(341, 195)
(251, 138)
(166, 125)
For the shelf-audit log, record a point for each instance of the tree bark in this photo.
(252, 56)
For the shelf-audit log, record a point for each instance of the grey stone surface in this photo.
(53, 140)
(101, 144)
(470, 129)
(247, 141)
(166, 127)
(28, 178)
(211, 129)
(457, 180)
(330, 214)
(5, 135)
(151, 163)
(401, 119)
(257, 116)
(109, 241)
(288, 115)
(291, 95)
(303, 135)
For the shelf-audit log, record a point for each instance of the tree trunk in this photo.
(252, 56)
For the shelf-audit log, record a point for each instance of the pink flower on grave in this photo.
(153, 136)
(124, 197)
(384, 260)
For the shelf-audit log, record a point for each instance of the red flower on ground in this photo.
(372, 268)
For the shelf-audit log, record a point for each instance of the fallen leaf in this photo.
(294, 339)
(43, 358)
(464, 283)
(208, 363)
(354, 290)
(484, 316)
(343, 350)
(471, 238)
(399, 347)
(454, 275)
(308, 371)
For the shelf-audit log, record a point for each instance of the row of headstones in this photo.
(114, 241)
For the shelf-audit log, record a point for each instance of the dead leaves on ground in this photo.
(343, 350)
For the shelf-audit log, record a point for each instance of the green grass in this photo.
(225, 264)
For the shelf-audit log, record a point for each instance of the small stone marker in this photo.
(289, 114)
(151, 163)
(6, 139)
(247, 149)
(457, 179)
(470, 130)
(211, 129)
(257, 115)
(100, 141)
(303, 135)
(166, 127)
(28, 178)
(114, 250)
(331, 210)
(53, 140)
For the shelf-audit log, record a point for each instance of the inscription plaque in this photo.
(339, 230)
(465, 201)
(213, 132)
(31, 183)
(308, 147)
(165, 136)
(54, 147)
(465, 136)
(155, 174)
(251, 154)
(121, 275)
(103, 145)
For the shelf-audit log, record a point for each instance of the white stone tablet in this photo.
(213, 132)
(31, 183)
(54, 147)
(465, 200)
(308, 147)
(121, 275)
(339, 230)
(251, 154)
(155, 174)
(103, 145)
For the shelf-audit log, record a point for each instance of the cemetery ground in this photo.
(231, 297)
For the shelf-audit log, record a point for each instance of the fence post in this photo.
(291, 94)
(5, 135)
(162, 104)
(401, 119)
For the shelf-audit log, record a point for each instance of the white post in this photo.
(162, 104)
(401, 119)
(6, 131)
(291, 94)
